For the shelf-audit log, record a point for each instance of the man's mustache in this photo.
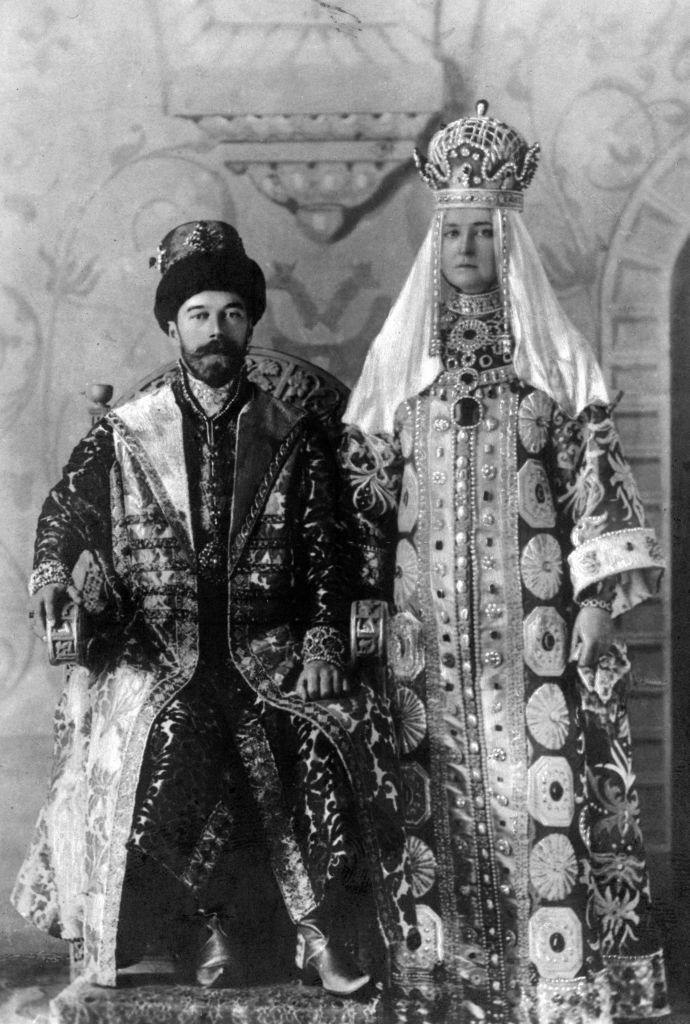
(214, 347)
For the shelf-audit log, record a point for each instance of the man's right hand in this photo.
(47, 604)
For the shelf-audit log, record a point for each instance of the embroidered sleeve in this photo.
(371, 471)
(324, 588)
(597, 493)
(76, 514)
(323, 643)
(48, 572)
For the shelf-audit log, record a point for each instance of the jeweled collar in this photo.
(211, 401)
(473, 305)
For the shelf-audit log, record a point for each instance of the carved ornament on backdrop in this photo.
(326, 131)
(328, 170)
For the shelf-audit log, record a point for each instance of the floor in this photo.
(28, 982)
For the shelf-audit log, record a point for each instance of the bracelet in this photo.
(597, 602)
(45, 573)
(324, 643)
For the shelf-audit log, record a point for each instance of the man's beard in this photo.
(215, 364)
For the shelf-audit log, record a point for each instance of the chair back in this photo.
(293, 380)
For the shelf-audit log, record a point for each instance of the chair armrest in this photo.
(67, 640)
(368, 641)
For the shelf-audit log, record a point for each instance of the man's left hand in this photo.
(320, 680)
(592, 634)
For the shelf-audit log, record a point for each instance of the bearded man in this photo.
(214, 728)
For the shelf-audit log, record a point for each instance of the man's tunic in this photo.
(176, 732)
(528, 865)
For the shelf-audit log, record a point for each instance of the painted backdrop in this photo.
(296, 122)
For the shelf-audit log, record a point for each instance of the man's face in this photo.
(213, 330)
(468, 260)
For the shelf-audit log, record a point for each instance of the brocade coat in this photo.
(283, 580)
(527, 858)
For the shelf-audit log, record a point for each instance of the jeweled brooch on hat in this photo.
(197, 238)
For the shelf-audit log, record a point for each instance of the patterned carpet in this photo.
(29, 983)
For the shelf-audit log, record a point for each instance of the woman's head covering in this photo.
(479, 163)
(205, 255)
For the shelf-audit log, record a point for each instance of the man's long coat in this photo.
(281, 581)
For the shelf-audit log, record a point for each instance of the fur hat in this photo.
(205, 255)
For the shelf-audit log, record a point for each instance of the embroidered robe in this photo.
(528, 865)
(282, 579)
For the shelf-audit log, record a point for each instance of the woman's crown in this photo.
(478, 153)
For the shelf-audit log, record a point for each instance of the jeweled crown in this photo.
(478, 153)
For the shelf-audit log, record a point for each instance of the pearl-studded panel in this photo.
(460, 562)
(497, 806)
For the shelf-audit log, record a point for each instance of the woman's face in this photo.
(468, 259)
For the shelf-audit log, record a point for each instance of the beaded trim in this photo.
(614, 552)
(515, 677)
(597, 602)
(437, 698)
(453, 380)
(485, 197)
(474, 305)
(324, 643)
(48, 572)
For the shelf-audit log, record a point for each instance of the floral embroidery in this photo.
(626, 488)
(617, 916)
(613, 786)
(368, 462)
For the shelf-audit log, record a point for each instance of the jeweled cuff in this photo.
(48, 572)
(324, 643)
(633, 555)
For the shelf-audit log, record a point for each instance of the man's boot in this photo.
(318, 958)
(216, 964)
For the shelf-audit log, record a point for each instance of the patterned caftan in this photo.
(182, 741)
(484, 523)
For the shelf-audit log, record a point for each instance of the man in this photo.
(214, 726)
(482, 443)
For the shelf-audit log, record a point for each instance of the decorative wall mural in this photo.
(314, 142)
(296, 123)
(314, 328)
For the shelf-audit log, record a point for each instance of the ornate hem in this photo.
(574, 1001)
(638, 986)
(613, 554)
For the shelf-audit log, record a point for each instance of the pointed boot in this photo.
(319, 959)
(216, 966)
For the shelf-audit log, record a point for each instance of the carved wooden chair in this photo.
(297, 382)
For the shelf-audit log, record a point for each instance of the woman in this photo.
(480, 441)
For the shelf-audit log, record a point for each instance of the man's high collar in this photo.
(210, 400)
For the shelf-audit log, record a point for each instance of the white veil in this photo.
(550, 353)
